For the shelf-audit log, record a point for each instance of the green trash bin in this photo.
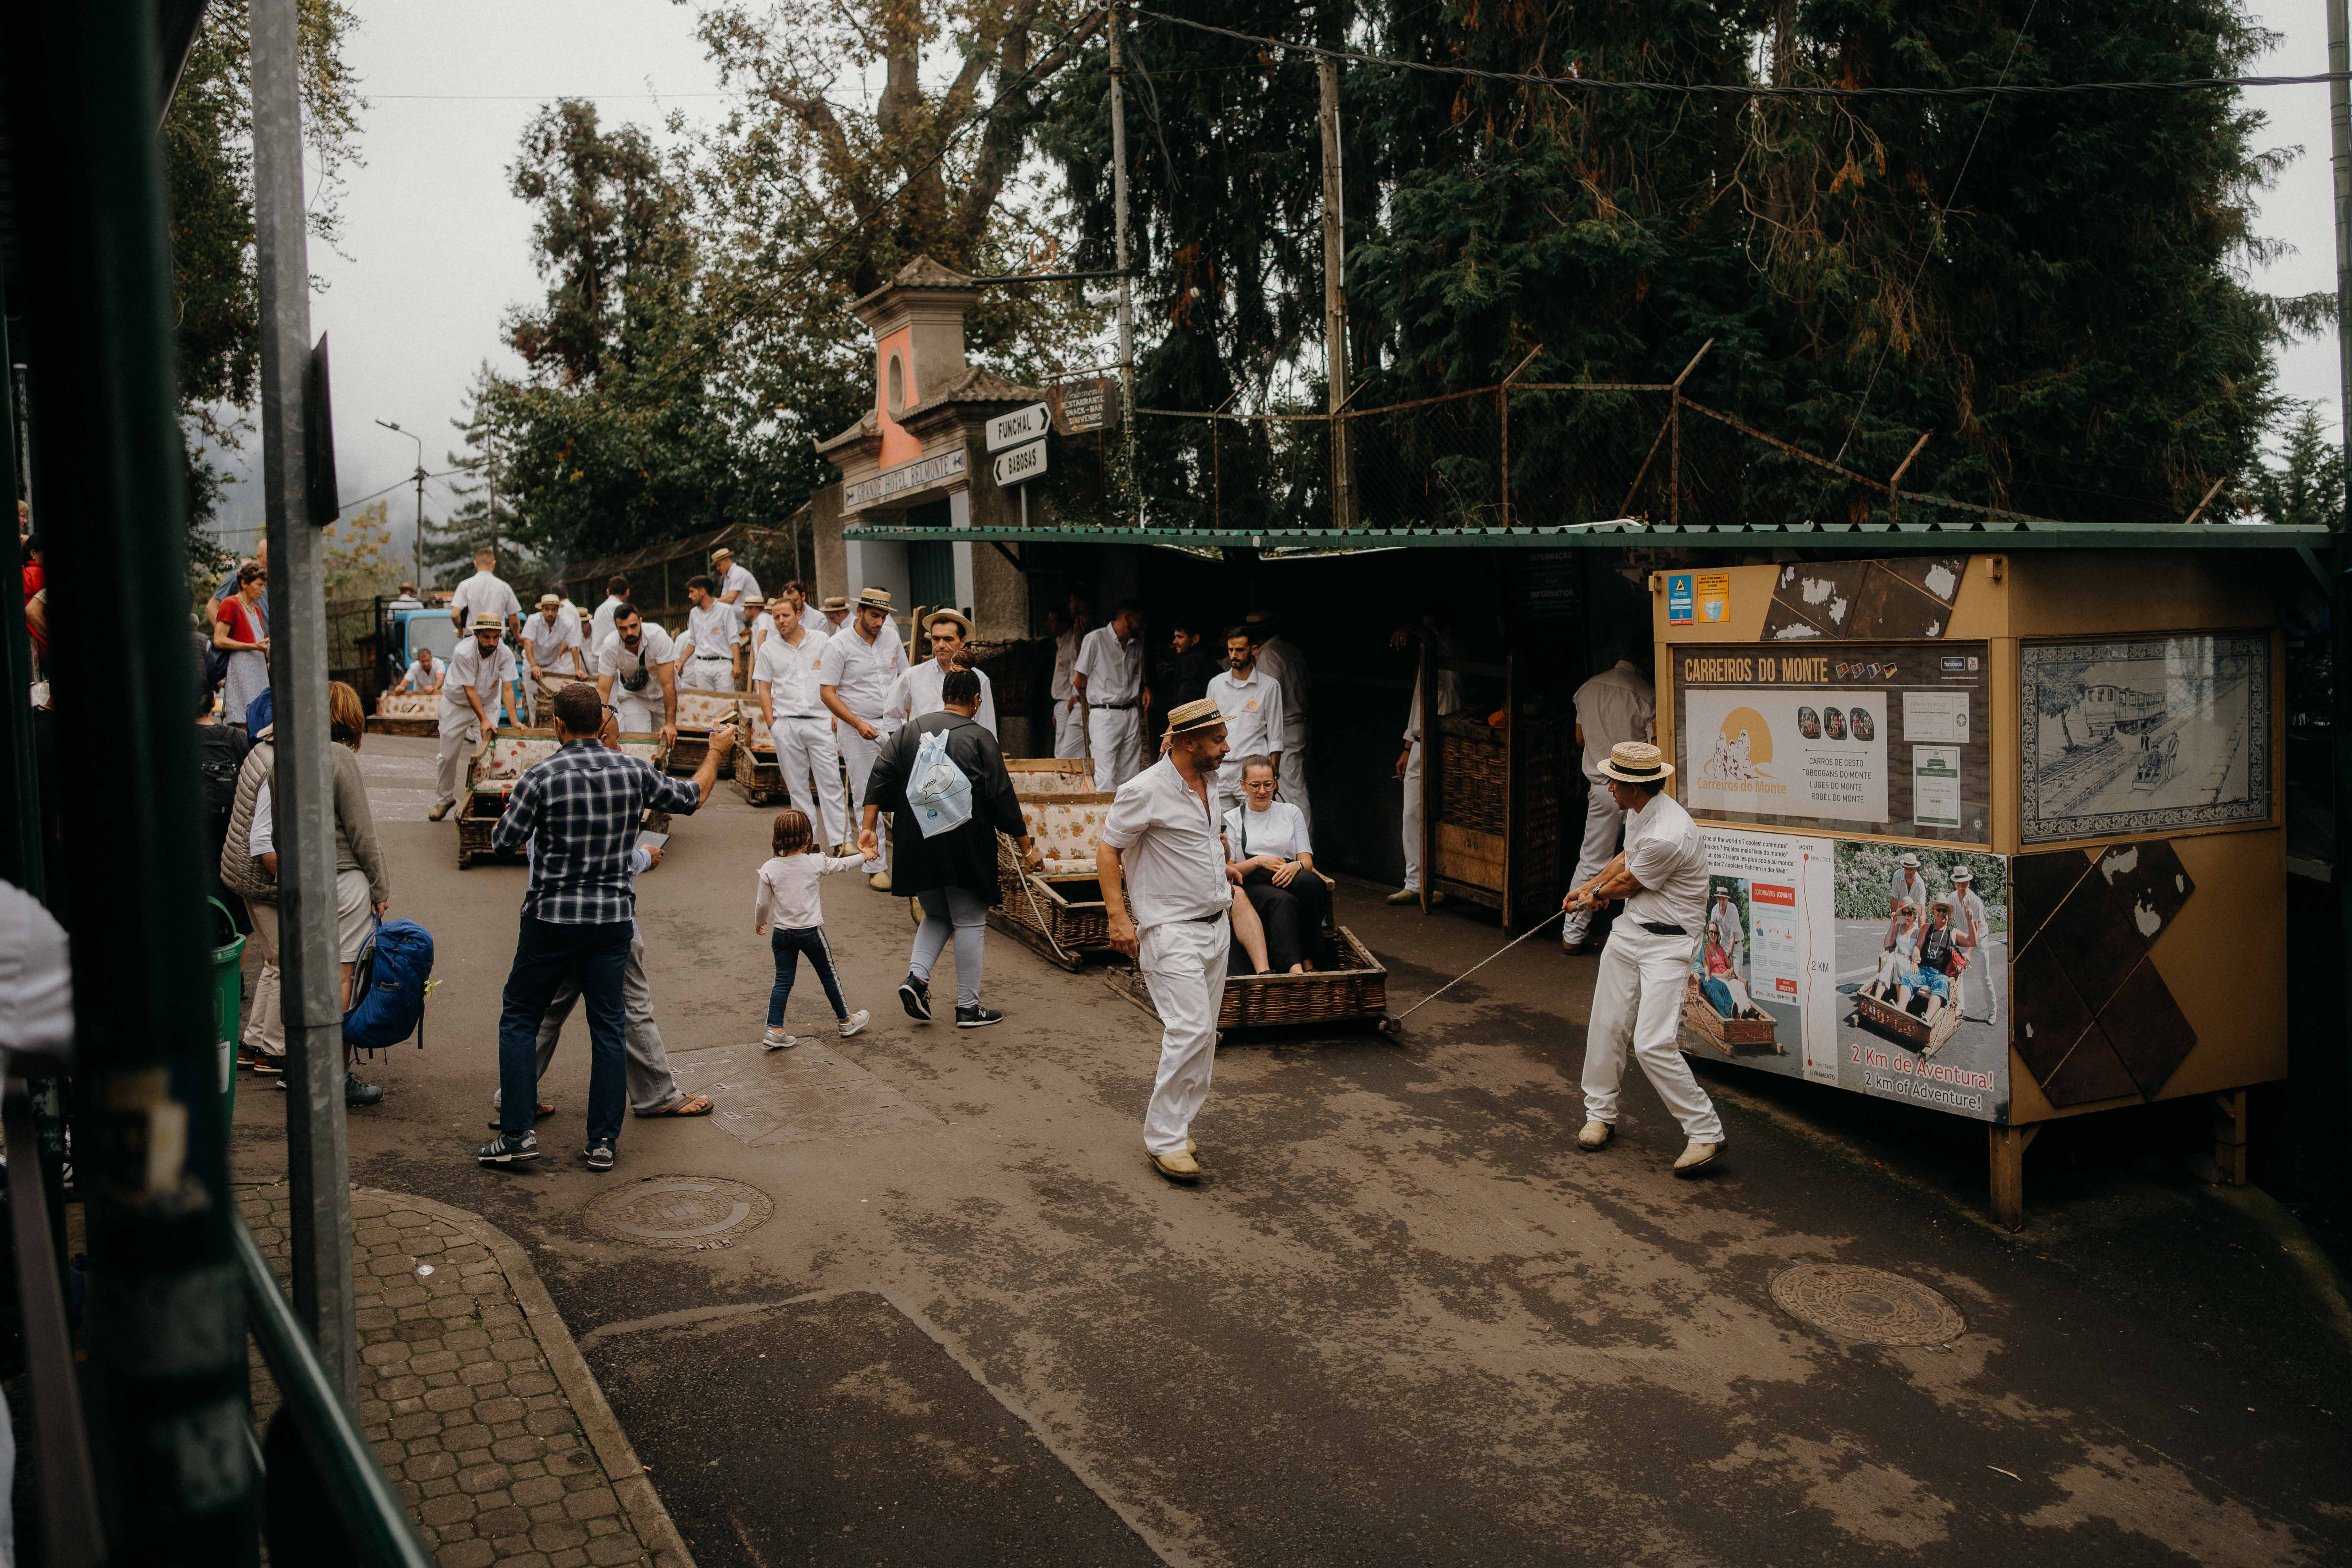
(228, 989)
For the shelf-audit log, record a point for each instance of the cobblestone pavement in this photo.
(478, 1403)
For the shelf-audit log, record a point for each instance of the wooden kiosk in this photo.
(2076, 755)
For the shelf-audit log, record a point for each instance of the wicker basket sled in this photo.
(1729, 1035)
(410, 713)
(1056, 911)
(698, 713)
(758, 773)
(1881, 1016)
(490, 777)
(1351, 988)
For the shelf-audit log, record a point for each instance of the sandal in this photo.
(269, 1067)
(683, 1105)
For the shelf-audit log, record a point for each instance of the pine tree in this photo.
(482, 514)
(2307, 487)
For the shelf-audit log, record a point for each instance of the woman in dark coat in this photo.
(953, 873)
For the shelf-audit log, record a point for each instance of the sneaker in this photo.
(507, 1149)
(356, 1093)
(855, 1022)
(977, 1017)
(915, 995)
(599, 1156)
(777, 1040)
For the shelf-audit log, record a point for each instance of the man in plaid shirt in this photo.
(584, 803)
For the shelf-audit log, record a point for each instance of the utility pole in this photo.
(1335, 298)
(394, 424)
(1126, 284)
(303, 781)
(2339, 618)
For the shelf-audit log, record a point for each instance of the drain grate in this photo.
(1867, 1304)
(692, 1211)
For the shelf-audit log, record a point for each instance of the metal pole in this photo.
(164, 1319)
(1334, 300)
(20, 834)
(2339, 104)
(317, 1161)
(1118, 215)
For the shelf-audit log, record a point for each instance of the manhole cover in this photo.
(680, 1211)
(1867, 1304)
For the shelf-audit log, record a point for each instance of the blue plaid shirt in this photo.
(584, 803)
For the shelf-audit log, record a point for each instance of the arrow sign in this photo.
(1022, 464)
(1021, 424)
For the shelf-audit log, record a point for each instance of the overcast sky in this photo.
(435, 249)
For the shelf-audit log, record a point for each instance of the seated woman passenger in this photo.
(1272, 860)
(1722, 985)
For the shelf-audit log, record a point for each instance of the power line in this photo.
(2002, 89)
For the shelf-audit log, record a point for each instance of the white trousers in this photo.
(1604, 824)
(812, 768)
(1976, 997)
(457, 745)
(640, 711)
(712, 674)
(1116, 735)
(1412, 819)
(859, 752)
(1183, 964)
(264, 1026)
(1069, 728)
(1292, 775)
(1637, 1000)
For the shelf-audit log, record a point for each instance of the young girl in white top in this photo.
(787, 898)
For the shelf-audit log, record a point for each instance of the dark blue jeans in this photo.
(788, 945)
(544, 954)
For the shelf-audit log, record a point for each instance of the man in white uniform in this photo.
(484, 594)
(1646, 970)
(600, 624)
(785, 680)
(424, 674)
(917, 692)
(856, 673)
(1409, 763)
(1069, 716)
(636, 673)
(1972, 934)
(1162, 848)
(480, 679)
(737, 586)
(1907, 887)
(707, 651)
(1723, 920)
(1252, 705)
(548, 641)
(836, 616)
(1109, 678)
(1283, 660)
(1615, 705)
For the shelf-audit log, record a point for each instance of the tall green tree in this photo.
(2306, 485)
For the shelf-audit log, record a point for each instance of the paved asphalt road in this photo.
(1402, 1322)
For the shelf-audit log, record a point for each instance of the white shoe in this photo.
(777, 1040)
(855, 1022)
(1595, 1136)
(1696, 1156)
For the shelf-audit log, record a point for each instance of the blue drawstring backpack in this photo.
(388, 986)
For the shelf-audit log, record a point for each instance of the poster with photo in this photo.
(1876, 967)
(2140, 735)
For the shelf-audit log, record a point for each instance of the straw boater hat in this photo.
(944, 613)
(547, 599)
(1636, 762)
(721, 553)
(1195, 715)
(874, 599)
(834, 605)
(1962, 874)
(489, 621)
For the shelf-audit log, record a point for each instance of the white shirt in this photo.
(712, 630)
(739, 582)
(791, 674)
(1253, 712)
(1968, 916)
(261, 838)
(488, 674)
(1449, 690)
(1066, 658)
(546, 642)
(421, 679)
(1615, 705)
(600, 624)
(1722, 919)
(764, 627)
(863, 672)
(785, 895)
(917, 692)
(1114, 670)
(484, 594)
(1906, 886)
(1279, 830)
(1666, 856)
(654, 649)
(36, 980)
(1280, 657)
(1170, 847)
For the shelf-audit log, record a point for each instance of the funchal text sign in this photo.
(1021, 424)
(920, 474)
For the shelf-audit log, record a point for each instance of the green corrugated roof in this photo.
(1878, 538)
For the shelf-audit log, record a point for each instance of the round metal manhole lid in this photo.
(1867, 1304)
(687, 1212)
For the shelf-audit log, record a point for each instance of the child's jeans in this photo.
(787, 945)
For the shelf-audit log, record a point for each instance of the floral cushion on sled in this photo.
(408, 705)
(1067, 832)
(706, 710)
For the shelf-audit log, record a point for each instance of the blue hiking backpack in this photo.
(388, 986)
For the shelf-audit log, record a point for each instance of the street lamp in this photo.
(394, 425)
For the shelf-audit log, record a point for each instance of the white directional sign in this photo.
(1021, 424)
(1021, 465)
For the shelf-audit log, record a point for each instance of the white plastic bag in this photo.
(937, 791)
